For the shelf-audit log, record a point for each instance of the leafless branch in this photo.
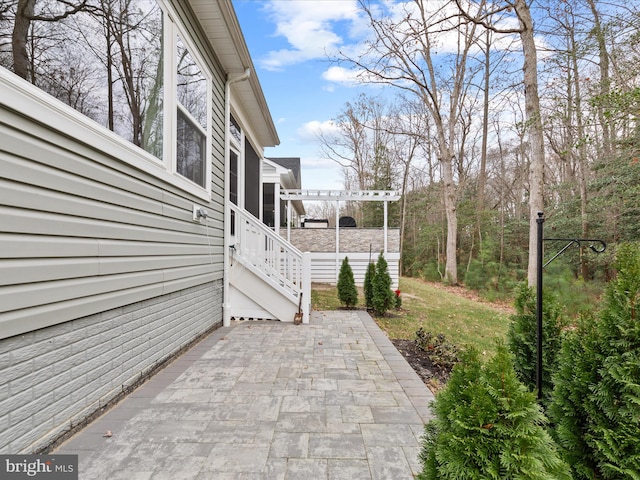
(73, 9)
(484, 18)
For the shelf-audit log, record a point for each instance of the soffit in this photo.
(220, 24)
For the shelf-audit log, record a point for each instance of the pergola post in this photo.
(289, 220)
(385, 228)
(337, 239)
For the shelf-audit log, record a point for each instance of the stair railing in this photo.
(259, 248)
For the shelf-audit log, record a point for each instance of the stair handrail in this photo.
(262, 249)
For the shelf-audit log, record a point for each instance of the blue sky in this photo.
(289, 41)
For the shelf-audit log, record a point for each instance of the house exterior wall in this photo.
(54, 377)
(103, 272)
(83, 232)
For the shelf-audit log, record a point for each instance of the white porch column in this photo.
(385, 228)
(276, 207)
(289, 220)
(306, 286)
(337, 240)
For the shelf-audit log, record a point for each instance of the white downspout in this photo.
(226, 307)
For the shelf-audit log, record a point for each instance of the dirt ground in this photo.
(433, 377)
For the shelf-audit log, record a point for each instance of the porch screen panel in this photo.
(252, 180)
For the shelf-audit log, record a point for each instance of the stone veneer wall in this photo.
(55, 377)
(357, 240)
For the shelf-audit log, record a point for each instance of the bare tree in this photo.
(407, 52)
(532, 109)
(568, 137)
(124, 26)
(605, 81)
(359, 144)
(410, 132)
(25, 15)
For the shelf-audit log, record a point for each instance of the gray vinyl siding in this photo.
(56, 377)
(82, 232)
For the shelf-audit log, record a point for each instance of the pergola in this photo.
(337, 196)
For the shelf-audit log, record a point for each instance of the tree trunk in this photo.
(451, 265)
(19, 37)
(106, 18)
(536, 137)
(582, 155)
(605, 82)
(403, 205)
(482, 178)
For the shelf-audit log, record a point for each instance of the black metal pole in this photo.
(540, 222)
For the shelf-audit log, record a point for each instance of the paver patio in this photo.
(333, 399)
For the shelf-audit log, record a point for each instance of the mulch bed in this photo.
(433, 376)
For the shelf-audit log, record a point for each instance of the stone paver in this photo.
(329, 400)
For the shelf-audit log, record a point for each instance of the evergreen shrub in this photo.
(570, 408)
(382, 293)
(596, 402)
(522, 338)
(488, 425)
(369, 275)
(431, 272)
(347, 290)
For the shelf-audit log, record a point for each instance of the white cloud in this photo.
(342, 75)
(311, 29)
(310, 130)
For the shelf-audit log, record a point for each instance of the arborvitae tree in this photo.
(522, 338)
(369, 276)
(347, 291)
(382, 293)
(596, 403)
(488, 426)
(577, 373)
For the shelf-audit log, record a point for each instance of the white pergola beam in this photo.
(344, 195)
(340, 195)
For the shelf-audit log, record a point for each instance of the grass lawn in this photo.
(463, 318)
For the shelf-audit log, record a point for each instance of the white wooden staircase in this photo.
(269, 278)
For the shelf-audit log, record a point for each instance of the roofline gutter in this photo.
(231, 19)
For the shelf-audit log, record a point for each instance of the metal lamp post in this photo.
(601, 247)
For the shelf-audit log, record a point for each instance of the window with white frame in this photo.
(235, 139)
(192, 116)
(130, 67)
